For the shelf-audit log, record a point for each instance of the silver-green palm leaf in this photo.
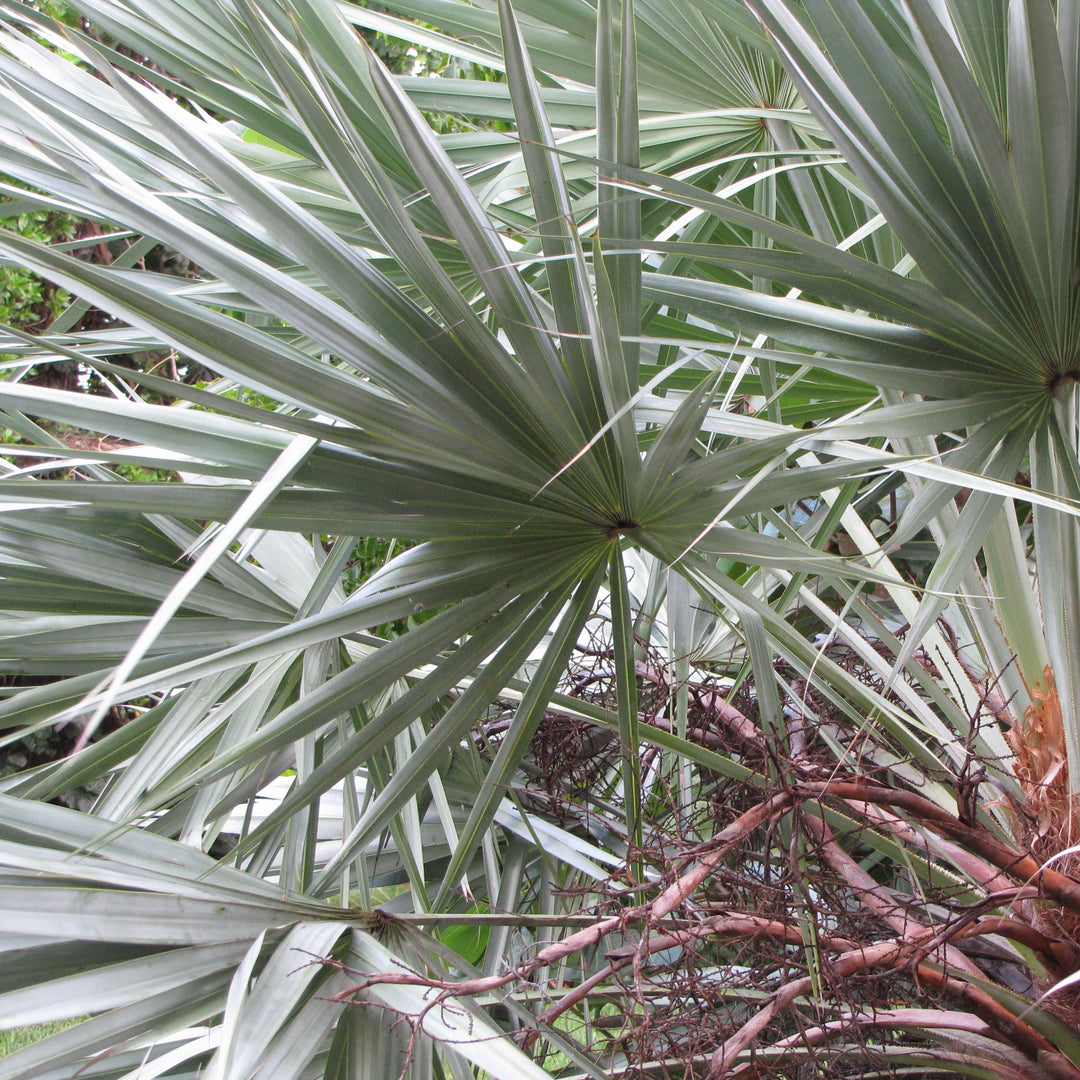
(490, 412)
(535, 357)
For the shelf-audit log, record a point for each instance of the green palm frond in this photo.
(628, 380)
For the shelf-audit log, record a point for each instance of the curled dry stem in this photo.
(896, 953)
(874, 896)
(1018, 865)
(671, 898)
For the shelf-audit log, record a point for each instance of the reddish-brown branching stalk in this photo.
(885, 954)
(671, 898)
(1018, 865)
(874, 896)
(775, 899)
(739, 926)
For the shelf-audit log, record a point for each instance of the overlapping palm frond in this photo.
(957, 121)
(503, 438)
(531, 354)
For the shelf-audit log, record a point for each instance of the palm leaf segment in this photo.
(432, 381)
(967, 139)
(503, 435)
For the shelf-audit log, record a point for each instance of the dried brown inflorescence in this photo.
(810, 917)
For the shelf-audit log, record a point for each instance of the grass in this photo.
(20, 1038)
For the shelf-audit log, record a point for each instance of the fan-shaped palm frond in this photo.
(532, 359)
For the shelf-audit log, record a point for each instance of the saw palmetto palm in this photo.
(495, 426)
(451, 340)
(959, 122)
